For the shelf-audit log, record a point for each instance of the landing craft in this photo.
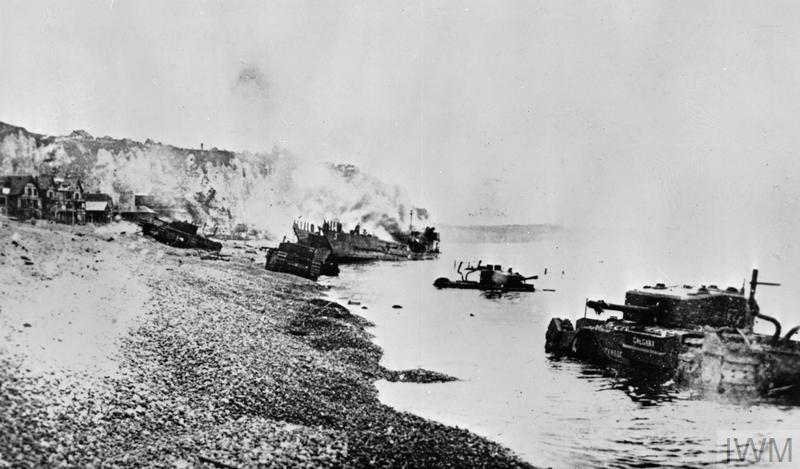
(357, 245)
(701, 337)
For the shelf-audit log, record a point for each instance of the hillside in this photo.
(264, 191)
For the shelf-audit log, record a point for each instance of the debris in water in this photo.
(492, 278)
(397, 307)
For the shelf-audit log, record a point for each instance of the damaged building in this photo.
(20, 197)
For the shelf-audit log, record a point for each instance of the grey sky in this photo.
(500, 112)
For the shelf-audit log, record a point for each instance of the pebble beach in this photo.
(118, 351)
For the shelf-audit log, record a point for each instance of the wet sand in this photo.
(119, 351)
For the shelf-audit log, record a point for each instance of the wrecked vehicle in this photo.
(491, 277)
(178, 234)
(301, 260)
(701, 337)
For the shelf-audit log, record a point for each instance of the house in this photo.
(98, 207)
(46, 185)
(63, 199)
(19, 197)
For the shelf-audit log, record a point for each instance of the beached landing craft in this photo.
(702, 337)
(357, 245)
(492, 277)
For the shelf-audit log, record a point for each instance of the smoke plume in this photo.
(264, 192)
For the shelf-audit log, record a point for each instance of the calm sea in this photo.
(560, 413)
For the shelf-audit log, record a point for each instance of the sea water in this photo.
(558, 412)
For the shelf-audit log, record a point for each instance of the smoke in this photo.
(264, 191)
(251, 81)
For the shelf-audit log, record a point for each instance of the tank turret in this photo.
(682, 307)
(688, 307)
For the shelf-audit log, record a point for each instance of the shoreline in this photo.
(227, 365)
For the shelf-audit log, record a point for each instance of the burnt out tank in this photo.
(701, 336)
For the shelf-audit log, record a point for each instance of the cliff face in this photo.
(264, 191)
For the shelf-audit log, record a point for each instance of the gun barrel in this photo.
(601, 305)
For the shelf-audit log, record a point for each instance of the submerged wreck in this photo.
(304, 261)
(178, 234)
(491, 277)
(701, 337)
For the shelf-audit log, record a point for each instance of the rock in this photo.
(110, 238)
(418, 375)
(26, 324)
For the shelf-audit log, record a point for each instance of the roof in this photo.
(97, 197)
(94, 206)
(45, 182)
(15, 185)
(68, 184)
